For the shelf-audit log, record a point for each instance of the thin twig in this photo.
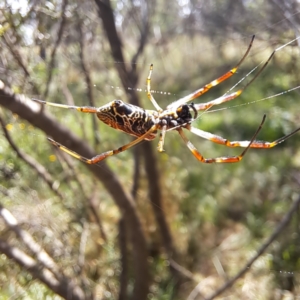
(144, 31)
(82, 246)
(55, 47)
(35, 165)
(88, 82)
(123, 242)
(16, 54)
(42, 256)
(186, 273)
(70, 101)
(136, 171)
(69, 172)
(92, 206)
(157, 206)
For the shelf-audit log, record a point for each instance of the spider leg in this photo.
(226, 98)
(224, 159)
(149, 94)
(96, 159)
(255, 144)
(160, 146)
(213, 83)
(84, 109)
(220, 100)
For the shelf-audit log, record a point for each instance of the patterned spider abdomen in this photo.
(128, 118)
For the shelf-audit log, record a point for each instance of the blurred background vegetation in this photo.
(146, 225)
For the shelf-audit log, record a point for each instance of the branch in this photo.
(105, 11)
(42, 256)
(157, 206)
(108, 21)
(65, 288)
(106, 14)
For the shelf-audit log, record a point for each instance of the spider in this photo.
(144, 124)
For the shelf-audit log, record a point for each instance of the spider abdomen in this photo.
(128, 118)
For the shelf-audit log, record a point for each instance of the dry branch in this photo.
(64, 287)
(41, 255)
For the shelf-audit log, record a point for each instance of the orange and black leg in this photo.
(213, 83)
(96, 159)
(254, 144)
(224, 159)
(229, 97)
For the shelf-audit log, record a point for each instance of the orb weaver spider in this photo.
(144, 124)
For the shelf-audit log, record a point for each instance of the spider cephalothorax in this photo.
(144, 124)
